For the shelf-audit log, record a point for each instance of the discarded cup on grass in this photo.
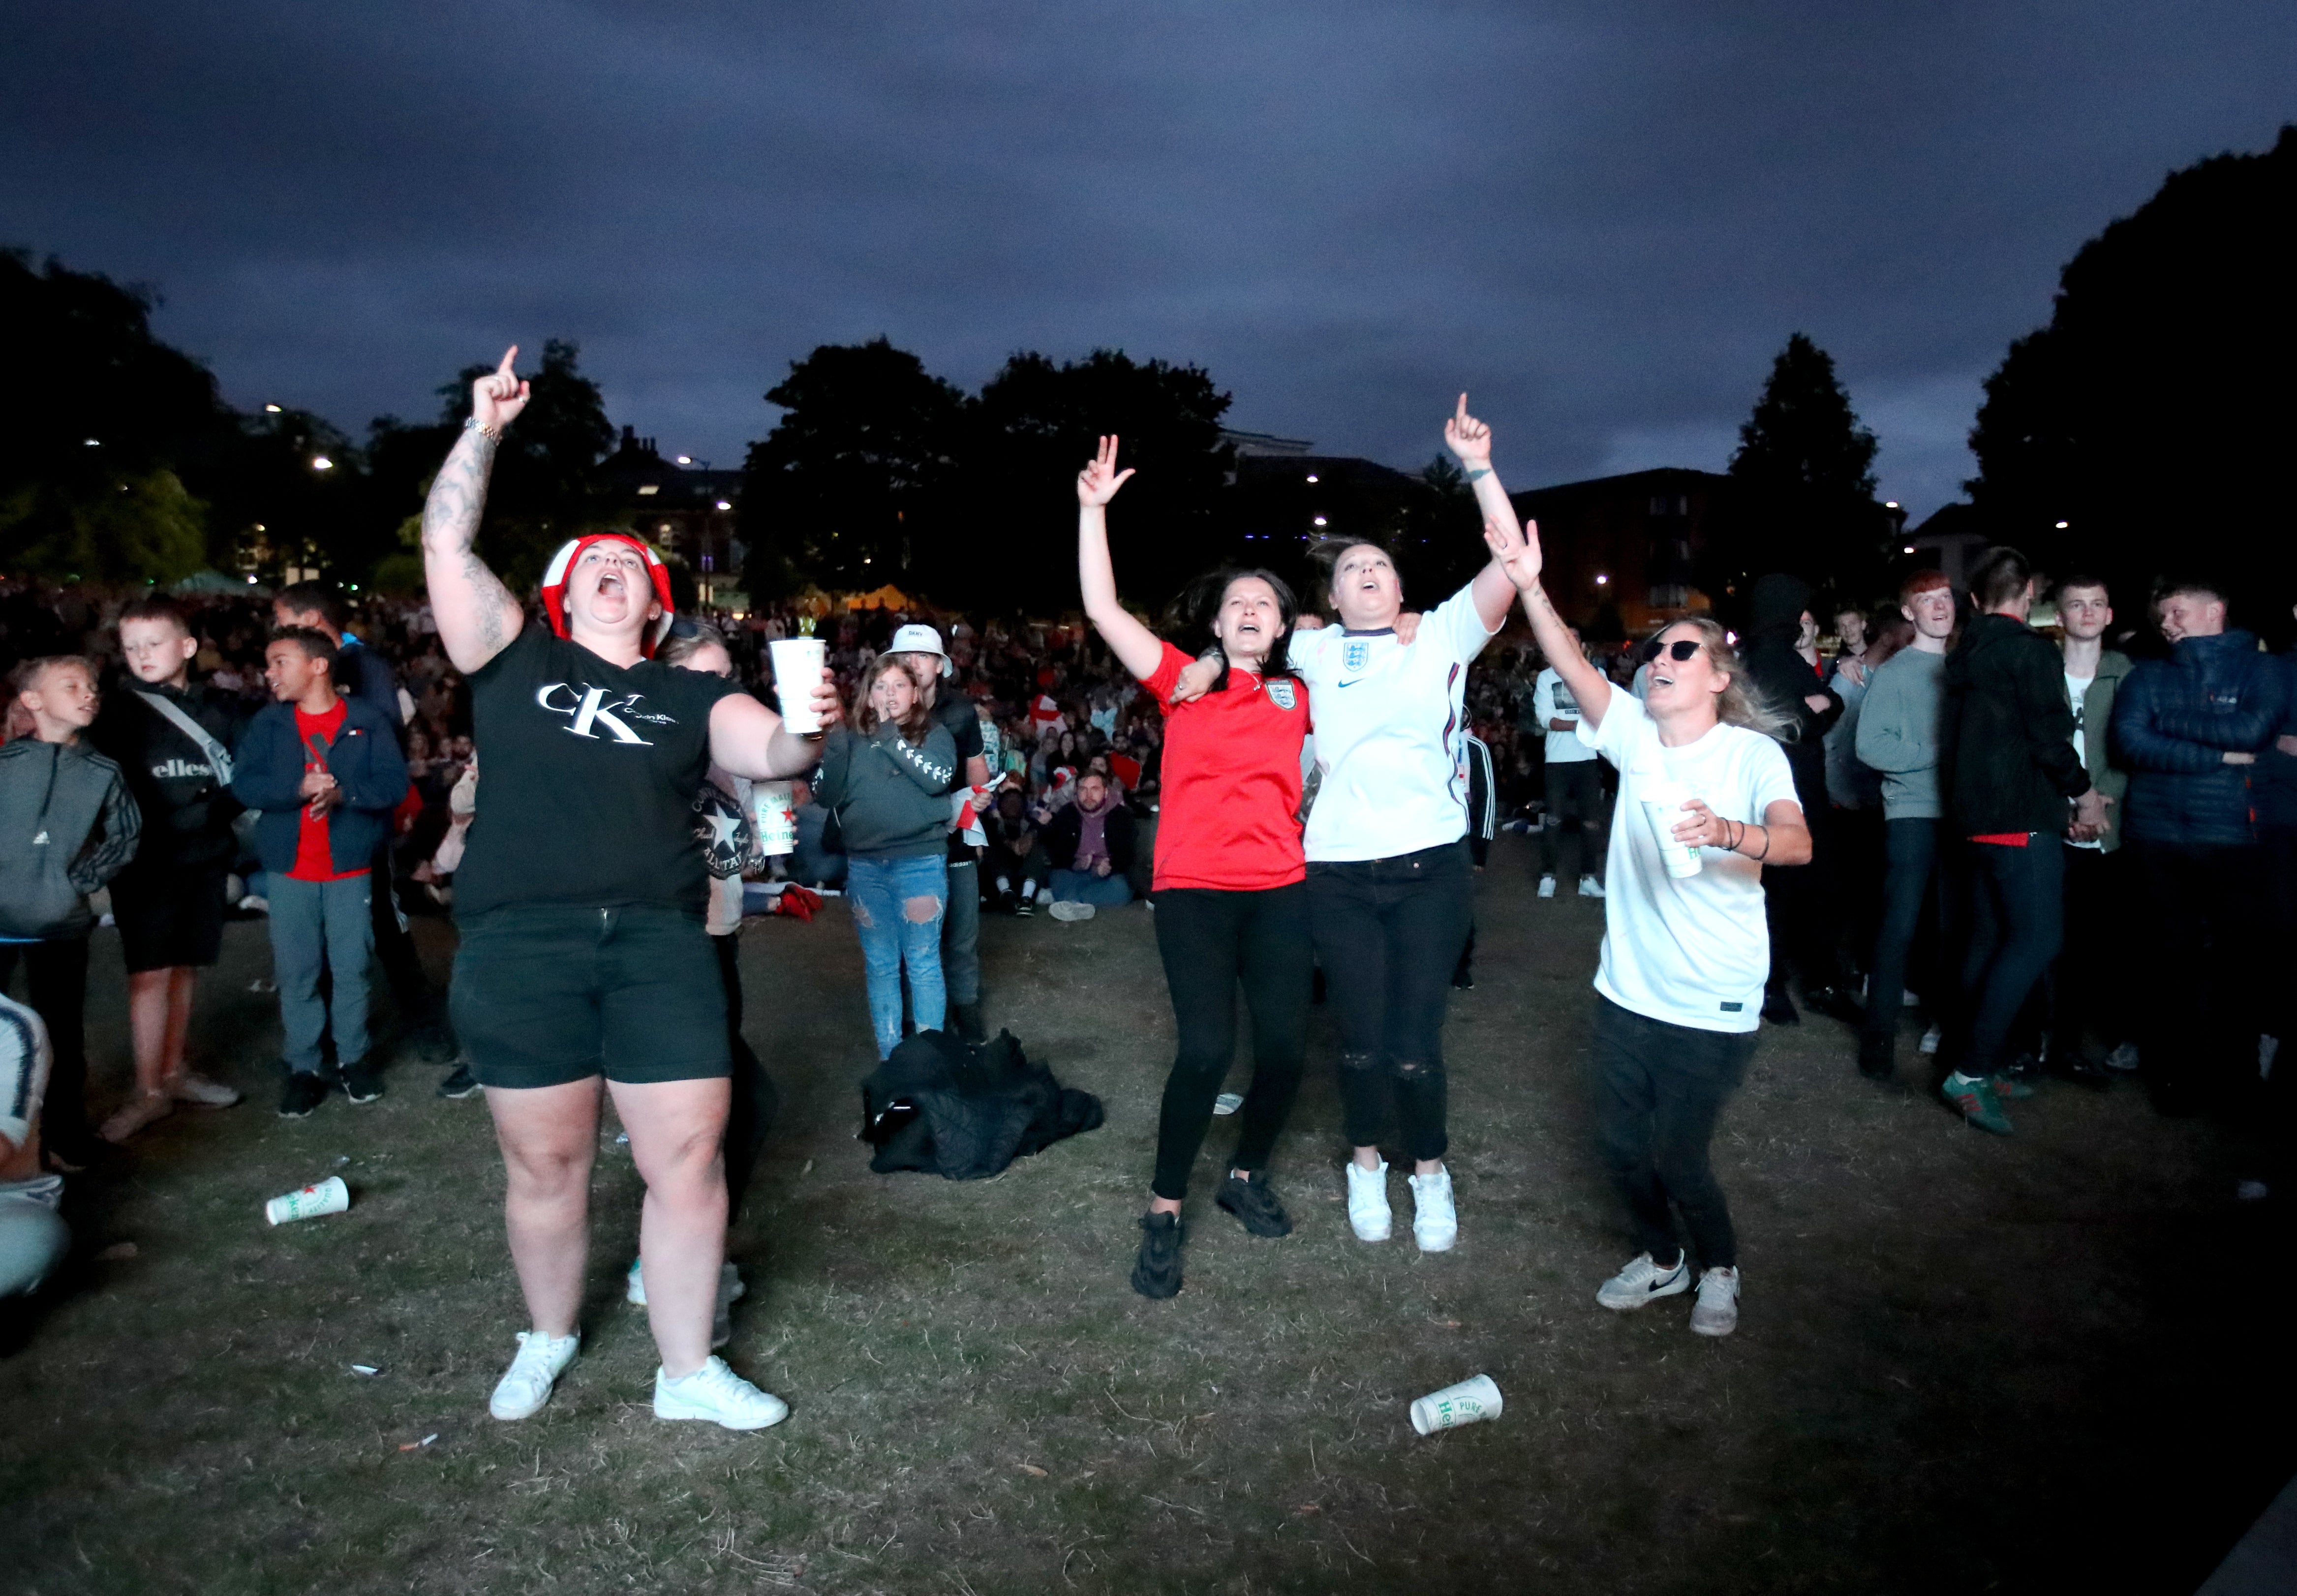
(1471, 1402)
(1228, 1102)
(797, 672)
(330, 1196)
(1665, 811)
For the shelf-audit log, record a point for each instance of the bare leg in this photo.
(150, 993)
(548, 1136)
(181, 982)
(677, 1131)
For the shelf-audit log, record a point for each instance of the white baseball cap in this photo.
(921, 640)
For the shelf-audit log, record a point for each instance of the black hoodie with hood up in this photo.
(1776, 606)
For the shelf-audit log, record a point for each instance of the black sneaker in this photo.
(1779, 1009)
(1835, 1004)
(1254, 1205)
(462, 1083)
(1877, 1057)
(1156, 1272)
(362, 1082)
(1025, 909)
(304, 1093)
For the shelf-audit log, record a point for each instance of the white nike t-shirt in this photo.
(1551, 701)
(1388, 725)
(1693, 950)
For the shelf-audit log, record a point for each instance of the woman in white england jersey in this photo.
(1680, 990)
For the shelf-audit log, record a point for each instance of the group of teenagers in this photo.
(581, 925)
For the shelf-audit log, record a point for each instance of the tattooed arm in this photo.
(477, 616)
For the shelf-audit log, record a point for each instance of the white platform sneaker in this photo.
(717, 1394)
(1434, 1221)
(526, 1386)
(1368, 1212)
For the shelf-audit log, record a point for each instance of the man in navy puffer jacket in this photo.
(2190, 728)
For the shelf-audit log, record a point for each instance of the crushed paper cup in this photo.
(1471, 1402)
(330, 1196)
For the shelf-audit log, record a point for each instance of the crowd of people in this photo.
(1931, 804)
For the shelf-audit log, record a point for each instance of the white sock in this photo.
(1029, 890)
(1004, 883)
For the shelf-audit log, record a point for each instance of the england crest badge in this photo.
(1356, 654)
(1281, 692)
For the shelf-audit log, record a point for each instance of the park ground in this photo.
(2052, 1364)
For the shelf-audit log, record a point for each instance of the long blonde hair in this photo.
(1739, 703)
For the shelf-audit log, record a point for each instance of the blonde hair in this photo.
(1738, 703)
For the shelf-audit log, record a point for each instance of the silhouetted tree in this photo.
(1801, 491)
(2152, 416)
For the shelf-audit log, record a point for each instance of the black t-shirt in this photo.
(955, 712)
(587, 774)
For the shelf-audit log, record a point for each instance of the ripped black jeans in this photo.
(1389, 933)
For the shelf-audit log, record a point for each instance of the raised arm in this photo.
(749, 740)
(476, 615)
(1135, 646)
(1515, 555)
(1472, 441)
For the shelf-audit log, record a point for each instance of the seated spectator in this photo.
(1090, 844)
(33, 1236)
(1017, 868)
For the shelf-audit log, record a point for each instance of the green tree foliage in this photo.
(2152, 414)
(1801, 492)
(855, 474)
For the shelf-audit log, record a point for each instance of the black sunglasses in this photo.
(1681, 648)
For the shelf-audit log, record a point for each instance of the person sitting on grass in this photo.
(33, 1236)
(1089, 843)
(325, 772)
(1686, 949)
(1018, 866)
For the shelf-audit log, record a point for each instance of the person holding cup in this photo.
(579, 903)
(1706, 800)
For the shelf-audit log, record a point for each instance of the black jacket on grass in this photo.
(2007, 733)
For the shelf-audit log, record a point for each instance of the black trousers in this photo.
(750, 1113)
(55, 979)
(1575, 807)
(1800, 904)
(1660, 1088)
(1389, 933)
(402, 965)
(1211, 941)
(2016, 927)
(2198, 963)
(2089, 985)
(1912, 901)
(1861, 866)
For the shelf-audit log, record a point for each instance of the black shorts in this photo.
(169, 918)
(548, 993)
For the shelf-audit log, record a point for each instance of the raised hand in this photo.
(497, 398)
(1467, 437)
(1099, 481)
(1517, 554)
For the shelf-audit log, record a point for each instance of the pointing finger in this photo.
(509, 355)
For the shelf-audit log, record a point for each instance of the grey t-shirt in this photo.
(1899, 732)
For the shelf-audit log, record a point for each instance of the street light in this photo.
(685, 459)
(1601, 579)
(1910, 548)
(321, 463)
(271, 409)
(93, 443)
(2062, 526)
(1311, 476)
(1319, 521)
(725, 504)
(1890, 503)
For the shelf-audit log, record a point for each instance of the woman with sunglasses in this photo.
(1706, 800)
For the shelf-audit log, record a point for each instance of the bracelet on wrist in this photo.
(472, 424)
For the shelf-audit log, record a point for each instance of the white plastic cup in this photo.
(797, 672)
(775, 816)
(330, 1196)
(1471, 1402)
(1665, 813)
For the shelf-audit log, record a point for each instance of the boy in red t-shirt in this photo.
(326, 772)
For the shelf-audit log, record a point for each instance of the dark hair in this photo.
(915, 726)
(157, 606)
(2084, 579)
(2000, 576)
(1192, 614)
(1324, 555)
(2190, 581)
(316, 645)
(313, 598)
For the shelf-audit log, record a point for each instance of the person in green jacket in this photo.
(887, 780)
(2088, 979)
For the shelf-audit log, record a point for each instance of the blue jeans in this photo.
(882, 893)
(1111, 891)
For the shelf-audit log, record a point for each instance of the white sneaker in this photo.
(526, 1384)
(1928, 1045)
(2123, 1058)
(716, 1392)
(192, 1087)
(1368, 1212)
(1589, 887)
(140, 1111)
(1642, 1281)
(1547, 886)
(1717, 1312)
(1434, 1221)
(729, 1291)
(1068, 908)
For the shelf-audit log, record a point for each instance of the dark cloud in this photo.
(1601, 219)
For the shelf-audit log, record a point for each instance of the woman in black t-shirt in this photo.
(579, 898)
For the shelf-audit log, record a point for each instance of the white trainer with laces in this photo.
(1717, 1311)
(1589, 887)
(1368, 1215)
(1643, 1281)
(1929, 1046)
(526, 1384)
(1547, 886)
(192, 1087)
(1434, 1221)
(716, 1392)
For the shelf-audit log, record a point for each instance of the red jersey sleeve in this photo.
(1162, 680)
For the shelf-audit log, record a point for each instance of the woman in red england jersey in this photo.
(1229, 890)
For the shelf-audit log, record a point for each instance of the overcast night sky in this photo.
(1601, 219)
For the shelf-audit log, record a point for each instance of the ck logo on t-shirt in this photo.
(592, 708)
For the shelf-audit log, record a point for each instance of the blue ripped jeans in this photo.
(880, 890)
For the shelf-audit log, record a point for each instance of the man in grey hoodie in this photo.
(67, 825)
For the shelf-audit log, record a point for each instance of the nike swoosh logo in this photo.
(1348, 683)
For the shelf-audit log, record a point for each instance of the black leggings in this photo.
(1210, 940)
(751, 1114)
(1389, 933)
